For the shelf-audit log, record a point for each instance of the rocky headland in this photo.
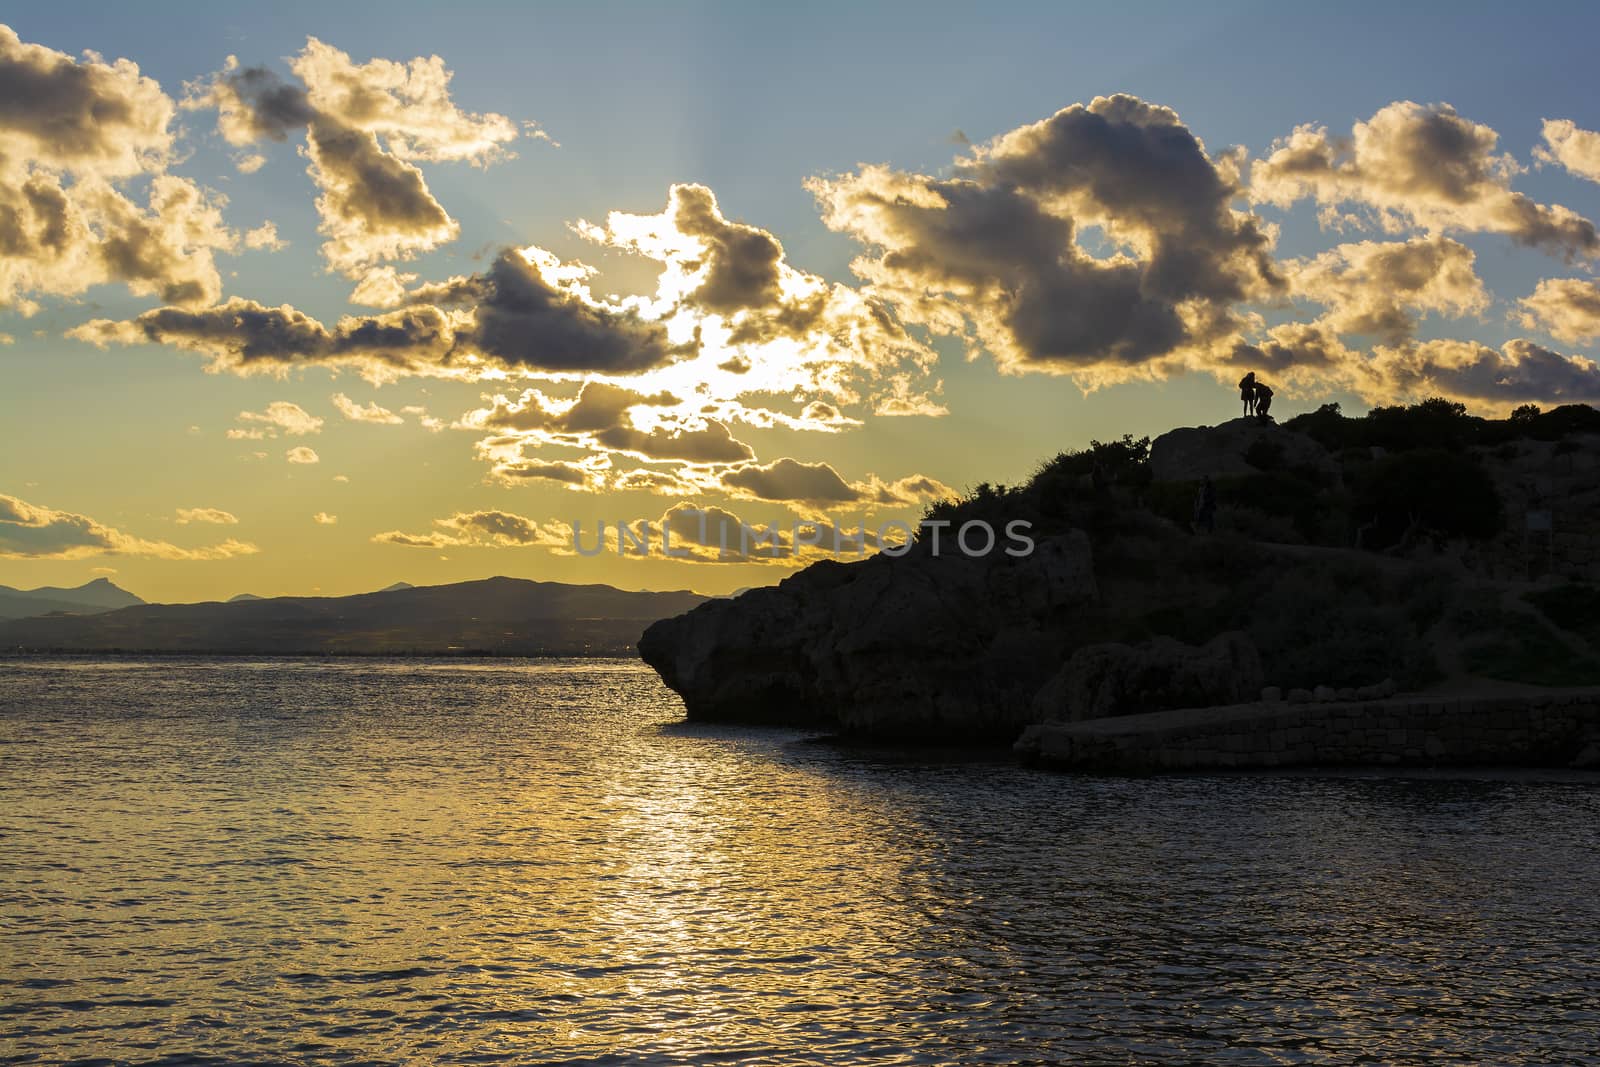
(1350, 561)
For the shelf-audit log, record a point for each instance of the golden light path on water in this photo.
(403, 862)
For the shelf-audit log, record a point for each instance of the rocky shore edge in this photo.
(1557, 728)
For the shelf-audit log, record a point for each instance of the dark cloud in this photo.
(740, 263)
(525, 321)
(516, 319)
(994, 252)
(708, 444)
(73, 134)
(1518, 372)
(242, 335)
(364, 123)
(85, 116)
(601, 417)
(561, 471)
(790, 479)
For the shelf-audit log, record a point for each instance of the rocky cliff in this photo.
(1335, 567)
(920, 645)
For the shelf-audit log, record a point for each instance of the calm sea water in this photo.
(403, 862)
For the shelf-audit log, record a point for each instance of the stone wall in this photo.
(1558, 728)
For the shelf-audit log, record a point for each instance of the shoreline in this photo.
(1552, 728)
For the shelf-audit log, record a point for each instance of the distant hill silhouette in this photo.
(96, 596)
(500, 616)
(396, 587)
(242, 597)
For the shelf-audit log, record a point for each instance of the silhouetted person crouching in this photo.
(1263, 397)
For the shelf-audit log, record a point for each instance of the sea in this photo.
(362, 861)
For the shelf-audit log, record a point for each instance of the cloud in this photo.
(528, 312)
(428, 422)
(698, 534)
(265, 237)
(216, 516)
(1305, 352)
(912, 489)
(999, 253)
(1575, 149)
(1518, 372)
(490, 529)
(606, 418)
(31, 531)
(382, 287)
(280, 415)
(302, 455)
(91, 117)
(762, 325)
(374, 206)
(510, 465)
(714, 535)
(1566, 308)
(1421, 166)
(366, 126)
(322, 518)
(408, 104)
(372, 412)
(71, 132)
(1380, 288)
(246, 337)
(790, 479)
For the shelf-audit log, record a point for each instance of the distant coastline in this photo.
(491, 617)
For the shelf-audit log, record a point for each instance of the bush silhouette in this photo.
(1426, 492)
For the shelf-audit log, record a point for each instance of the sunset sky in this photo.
(308, 298)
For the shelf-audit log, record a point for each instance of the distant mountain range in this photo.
(90, 598)
(499, 616)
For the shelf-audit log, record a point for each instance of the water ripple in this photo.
(376, 862)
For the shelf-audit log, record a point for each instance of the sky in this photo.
(308, 299)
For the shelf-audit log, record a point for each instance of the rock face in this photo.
(1240, 447)
(919, 646)
(1113, 679)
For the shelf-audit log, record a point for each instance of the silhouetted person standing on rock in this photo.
(1263, 399)
(1247, 392)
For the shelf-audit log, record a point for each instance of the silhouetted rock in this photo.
(1101, 680)
(1233, 448)
(1125, 609)
(916, 646)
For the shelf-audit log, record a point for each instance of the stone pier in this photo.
(1553, 728)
